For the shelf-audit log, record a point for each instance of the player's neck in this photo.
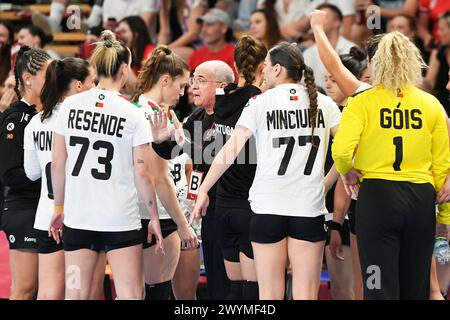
(109, 84)
(33, 100)
(154, 95)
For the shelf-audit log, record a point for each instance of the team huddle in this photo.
(94, 175)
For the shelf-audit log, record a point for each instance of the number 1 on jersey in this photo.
(398, 143)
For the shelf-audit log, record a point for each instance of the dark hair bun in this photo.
(23, 49)
(357, 53)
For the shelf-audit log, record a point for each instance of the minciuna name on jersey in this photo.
(293, 119)
(96, 122)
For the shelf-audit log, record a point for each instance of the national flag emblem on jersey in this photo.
(9, 136)
(293, 98)
(99, 104)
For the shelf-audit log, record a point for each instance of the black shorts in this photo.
(352, 216)
(76, 239)
(345, 233)
(46, 244)
(18, 226)
(234, 232)
(167, 227)
(271, 228)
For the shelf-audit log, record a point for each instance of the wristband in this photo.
(59, 209)
(335, 226)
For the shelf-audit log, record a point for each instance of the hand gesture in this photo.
(155, 229)
(201, 205)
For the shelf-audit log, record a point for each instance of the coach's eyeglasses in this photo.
(200, 81)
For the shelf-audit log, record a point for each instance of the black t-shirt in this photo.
(23, 193)
(235, 183)
(199, 145)
(442, 79)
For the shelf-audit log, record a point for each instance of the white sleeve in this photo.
(30, 159)
(60, 124)
(28, 136)
(335, 114)
(364, 86)
(142, 133)
(249, 115)
(31, 165)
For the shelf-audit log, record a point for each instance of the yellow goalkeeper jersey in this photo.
(400, 136)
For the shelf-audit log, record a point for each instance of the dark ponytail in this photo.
(290, 57)
(59, 76)
(29, 60)
(248, 54)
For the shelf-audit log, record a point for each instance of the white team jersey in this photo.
(100, 129)
(38, 138)
(176, 168)
(289, 178)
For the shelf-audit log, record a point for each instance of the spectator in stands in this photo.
(339, 43)
(186, 12)
(217, 36)
(437, 73)
(6, 41)
(133, 32)
(264, 27)
(240, 11)
(88, 46)
(35, 37)
(404, 24)
(429, 12)
(293, 15)
(7, 94)
(387, 9)
(107, 11)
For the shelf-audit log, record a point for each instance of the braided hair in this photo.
(29, 60)
(248, 54)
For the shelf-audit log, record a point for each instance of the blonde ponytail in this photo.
(109, 55)
(397, 62)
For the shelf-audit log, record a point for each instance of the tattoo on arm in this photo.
(140, 161)
(150, 203)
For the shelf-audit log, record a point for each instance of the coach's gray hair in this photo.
(222, 72)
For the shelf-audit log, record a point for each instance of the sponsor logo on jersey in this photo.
(293, 91)
(101, 96)
(26, 239)
(99, 104)
(12, 239)
(9, 136)
(10, 126)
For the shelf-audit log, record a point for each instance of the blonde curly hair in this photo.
(397, 62)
